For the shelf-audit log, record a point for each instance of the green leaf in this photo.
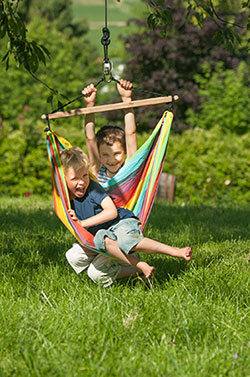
(3, 29)
(45, 50)
(5, 56)
(218, 37)
(189, 8)
(7, 64)
(248, 23)
(50, 99)
(59, 103)
(199, 19)
(21, 28)
(245, 4)
(38, 52)
(161, 3)
(151, 21)
(167, 15)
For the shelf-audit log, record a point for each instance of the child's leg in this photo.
(113, 249)
(127, 271)
(154, 247)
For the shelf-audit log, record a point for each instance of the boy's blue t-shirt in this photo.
(90, 205)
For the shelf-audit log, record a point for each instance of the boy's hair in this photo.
(74, 158)
(109, 135)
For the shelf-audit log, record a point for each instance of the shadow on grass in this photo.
(201, 222)
(33, 237)
(41, 230)
(21, 220)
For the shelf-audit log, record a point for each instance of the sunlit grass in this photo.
(194, 322)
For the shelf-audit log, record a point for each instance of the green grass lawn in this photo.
(194, 322)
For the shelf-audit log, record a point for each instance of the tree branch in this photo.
(221, 19)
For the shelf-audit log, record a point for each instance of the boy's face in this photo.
(77, 181)
(112, 157)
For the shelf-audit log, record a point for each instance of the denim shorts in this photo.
(126, 232)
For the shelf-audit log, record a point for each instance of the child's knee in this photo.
(79, 258)
(103, 271)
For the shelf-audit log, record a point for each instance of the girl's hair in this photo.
(109, 135)
(74, 158)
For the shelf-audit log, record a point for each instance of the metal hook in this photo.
(107, 69)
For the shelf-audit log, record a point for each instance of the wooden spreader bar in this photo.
(111, 107)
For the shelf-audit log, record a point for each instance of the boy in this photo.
(107, 148)
(116, 230)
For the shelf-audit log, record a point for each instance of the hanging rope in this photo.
(105, 41)
(107, 68)
(47, 128)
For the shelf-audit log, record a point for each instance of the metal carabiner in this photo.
(107, 68)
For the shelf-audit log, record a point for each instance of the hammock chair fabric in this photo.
(133, 187)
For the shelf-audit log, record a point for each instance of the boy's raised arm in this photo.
(89, 94)
(125, 89)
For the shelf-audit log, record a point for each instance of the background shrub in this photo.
(225, 99)
(210, 165)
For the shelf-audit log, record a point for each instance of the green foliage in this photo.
(223, 13)
(14, 15)
(26, 53)
(210, 166)
(24, 164)
(225, 99)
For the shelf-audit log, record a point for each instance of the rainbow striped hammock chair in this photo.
(133, 187)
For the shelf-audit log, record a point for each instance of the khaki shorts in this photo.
(100, 268)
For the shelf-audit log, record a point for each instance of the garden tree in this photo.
(222, 13)
(73, 61)
(24, 164)
(168, 65)
(29, 54)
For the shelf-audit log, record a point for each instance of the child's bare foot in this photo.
(147, 270)
(184, 252)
